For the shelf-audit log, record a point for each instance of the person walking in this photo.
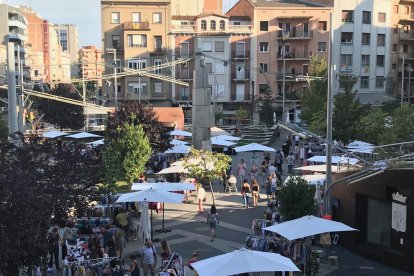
(212, 221)
(120, 241)
(165, 251)
(253, 171)
(279, 161)
(273, 182)
(148, 258)
(255, 190)
(269, 188)
(245, 191)
(241, 171)
(53, 241)
(134, 268)
(290, 162)
(201, 195)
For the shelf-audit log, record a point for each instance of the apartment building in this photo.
(402, 48)
(69, 41)
(13, 28)
(196, 7)
(137, 30)
(361, 47)
(285, 34)
(91, 64)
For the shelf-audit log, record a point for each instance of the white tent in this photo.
(83, 135)
(243, 261)
(335, 160)
(53, 134)
(312, 179)
(173, 169)
(182, 149)
(254, 147)
(164, 186)
(316, 168)
(181, 133)
(221, 142)
(215, 131)
(97, 142)
(226, 137)
(151, 195)
(359, 144)
(176, 142)
(307, 226)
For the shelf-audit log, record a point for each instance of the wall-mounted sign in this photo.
(399, 213)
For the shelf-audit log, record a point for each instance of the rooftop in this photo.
(286, 3)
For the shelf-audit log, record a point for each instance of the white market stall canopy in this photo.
(164, 186)
(254, 147)
(227, 138)
(181, 133)
(173, 169)
(83, 135)
(151, 195)
(53, 134)
(176, 142)
(182, 149)
(221, 142)
(307, 226)
(312, 179)
(216, 131)
(97, 142)
(335, 160)
(319, 168)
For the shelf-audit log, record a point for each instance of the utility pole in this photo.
(11, 91)
(84, 95)
(139, 80)
(285, 35)
(402, 82)
(113, 51)
(20, 114)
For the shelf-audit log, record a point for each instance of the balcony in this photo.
(185, 75)
(296, 55)
(136, 26)
(241, 98)
(295, 35)
(240, 76)
(407, 17)
(406, 35)
(241, 55)
(15, 22)
(183, 28)
(17, 35)
(158, 51)
(289, 77)
(240, 29)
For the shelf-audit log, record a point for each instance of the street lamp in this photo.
(285, 35)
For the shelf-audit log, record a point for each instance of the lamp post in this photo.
(113, 51)
(285, 35)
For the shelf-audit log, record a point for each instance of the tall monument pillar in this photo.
(202, 111)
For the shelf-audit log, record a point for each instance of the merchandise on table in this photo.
(174, 266)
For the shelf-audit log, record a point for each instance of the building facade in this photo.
(91, 64)
(361, 47)
(282, 42)
(137, 31)
(69, 41)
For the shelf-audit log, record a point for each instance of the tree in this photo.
(314, 99)
(127, 154)
(400, 126)
(372, 125)
(241, 115)
(266, 110)
(318, 123)
(297, 198)
(139, 114)
(39, 186)
(63, 115)
(4, 130)
(206, 166)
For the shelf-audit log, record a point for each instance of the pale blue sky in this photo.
(83, 13)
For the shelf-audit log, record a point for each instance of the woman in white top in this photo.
(273, 185)
(241, 170)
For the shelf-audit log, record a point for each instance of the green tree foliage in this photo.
(318, 123)
(297, 199)
(372, 125)
(63, 115)
(139, 114)
(4, 130)
(314, 99)
(126, 154)
(400, 126)
(206, 166)
(241, 115)
(39, 186)
(266, 109)
(347, 82)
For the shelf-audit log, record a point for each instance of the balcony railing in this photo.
(406, 35)
(296, 34)
(140, 26)
(240, 28)
(241, 55)
(295, 55)
(291, 77)
(183, 28)
(240, 76)
(235, 97)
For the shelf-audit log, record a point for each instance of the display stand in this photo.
(312, 265)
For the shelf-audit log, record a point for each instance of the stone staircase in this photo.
(252, 134)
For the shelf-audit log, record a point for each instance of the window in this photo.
(206, 46)
(135, 40)
(346, 60)
(405, 48)
(379, 82)
(115, 17)
(396, 9)
(364, 82)
(364, 60)
(184, 49)
(264, 67)
(264, 25)
(347, 16)
(219, 90)
(136, 88)
(263, 46)
(184, 91)
(203, 25)
(321, 46)
(346, 38)
(158, 87)
(157, 43)
(219, 67)
(116, 42)
(240, 91)
(222, 25)
(137, 64)
(366, 37)
(380, 60)
(381, 40)
(263, 88)
(136, 17)
(322, 25)
(213, 25)
(157, 17)
(366, 17)
(236, 23)
(208, 67)
(381, 17)
(158, 62)
(394, 67)
(394, 48)
(36, 73)
(407, 10)
(219, 46)
(240, 49)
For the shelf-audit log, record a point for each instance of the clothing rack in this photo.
(102, 261)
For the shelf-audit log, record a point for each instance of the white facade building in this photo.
(362, 39)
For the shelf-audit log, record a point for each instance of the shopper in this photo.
(134, 268)
(279, 161)
(273, 181)
(53, 241)
(201, 195)
(253, 172)
(241, 171)
(255, 191)
(271, 169)
(212, 221)
(120, 241)
(245, 191)
(65, 234)
(148, 258)
(269, 187)
(290, 162)
(111, 247)
(165, 251)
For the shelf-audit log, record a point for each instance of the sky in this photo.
(85, 14)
